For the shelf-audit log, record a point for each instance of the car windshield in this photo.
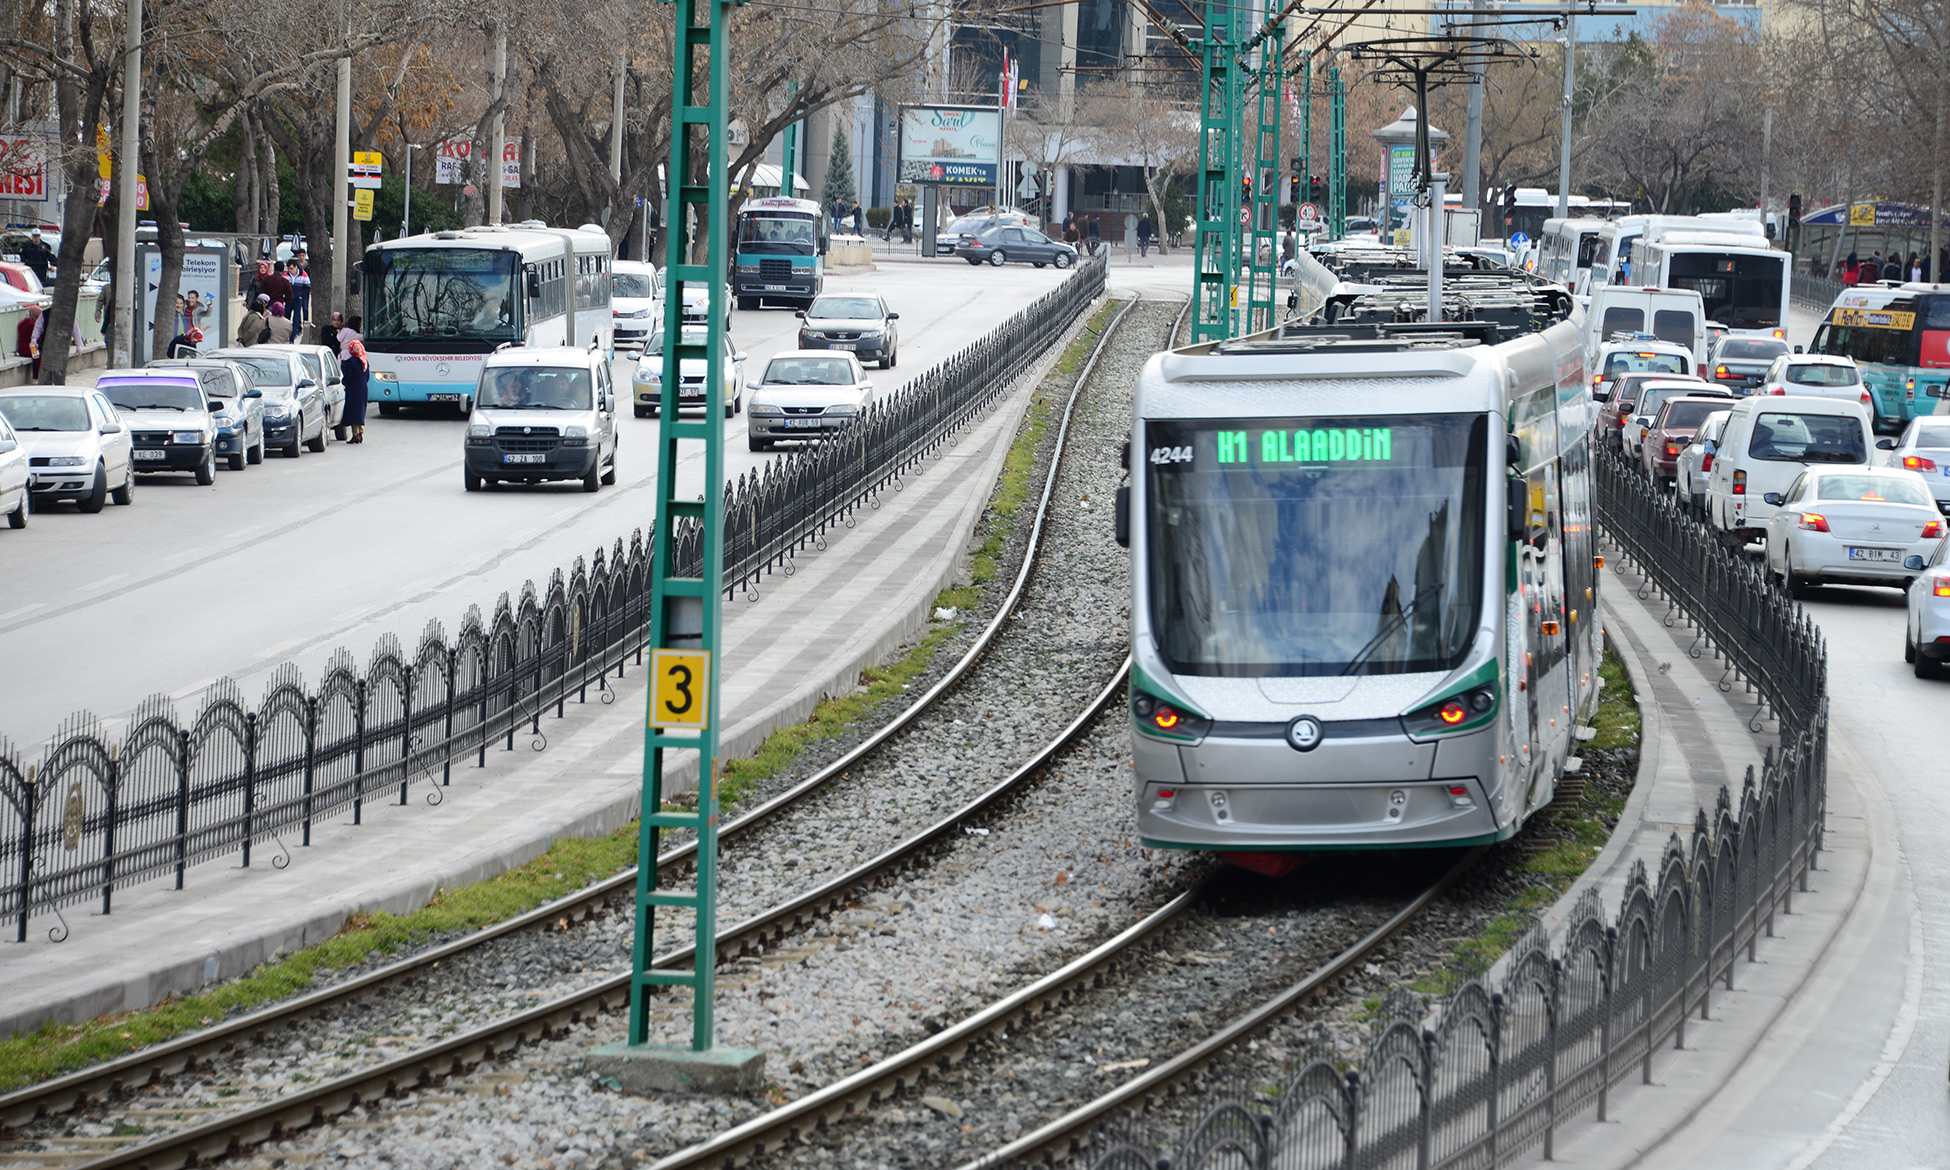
(425, 293)
(1873, 488)
(150, 395)
(535, 388)
(1302, 546)
(1686, 416)
(778, 233)
(265, 370)
(1817, 374)
(44, 412)
(1742, 349)
(969, 225)
(634, 285)
(845, 308)
(808, 371)
(1808, 438)
(1644, 362)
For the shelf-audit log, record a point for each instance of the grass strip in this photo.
(571, 863)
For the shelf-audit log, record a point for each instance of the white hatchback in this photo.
(13, 477)
(77, 448)
(1816, 375)
(1850, 525)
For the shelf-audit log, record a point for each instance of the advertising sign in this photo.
(450, 158)
(1401, 171)
(23, 169)
(362, 204)
(200, 297)
(950, 146)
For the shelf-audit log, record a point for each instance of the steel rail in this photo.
(244, 1128)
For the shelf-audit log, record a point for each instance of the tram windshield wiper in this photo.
(1394, 623)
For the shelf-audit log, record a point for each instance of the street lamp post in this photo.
(406, 215)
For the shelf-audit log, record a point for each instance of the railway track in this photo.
(234, 1129)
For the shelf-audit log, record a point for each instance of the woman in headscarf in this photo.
(358, 375)
(279, 324)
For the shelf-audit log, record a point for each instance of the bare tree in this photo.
(1146, 128)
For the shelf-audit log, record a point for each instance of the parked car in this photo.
(322, 366)
(13, 476)
(632, 303)
(21, 278)
(1696, 465)
(646, 385)
(858, 322)
(1678, 420)
(1924, 447)
(1926, 617)
(76, 446)
(236, 406)
(1740, 361)
(542, 414)
(1853, 525)
(169, 419)
(805, 394)
(999, 245)
(964, 228)
(295, 415)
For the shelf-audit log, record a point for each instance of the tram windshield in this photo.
(1304, 546)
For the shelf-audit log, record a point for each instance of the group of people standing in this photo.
(1895, 266)
(267, 324)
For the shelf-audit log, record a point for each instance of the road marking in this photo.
(25, 609)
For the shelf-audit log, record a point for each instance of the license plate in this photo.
(1891, 555)
(777, 288)
(844, 344)
(445, 397)
(802, 422)
(535, 457)
(151, 454)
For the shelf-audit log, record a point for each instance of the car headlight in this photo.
(479, 431)
(575, 434)
(66, 461)
(843, 408)
(186, 438)
(649, 373)
(276, 409)
(637, 314)
(764, 410)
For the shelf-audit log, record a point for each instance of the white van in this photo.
(1766, 443)
(1677, 315)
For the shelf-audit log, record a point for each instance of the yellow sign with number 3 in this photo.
(681, 687)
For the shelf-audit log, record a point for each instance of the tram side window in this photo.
(1543, 566)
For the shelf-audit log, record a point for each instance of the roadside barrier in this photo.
(1492, 1072)
(99, 811)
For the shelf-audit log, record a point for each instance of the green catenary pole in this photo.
(1307, 125)
(788, 153)
(1215, 254)
(1336, 156)
(1262, 258)
(685, 597)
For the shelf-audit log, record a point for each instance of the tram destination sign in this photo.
(1283, 446)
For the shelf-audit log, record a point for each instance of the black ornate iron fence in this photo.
(99, 811)
(1494, 1071)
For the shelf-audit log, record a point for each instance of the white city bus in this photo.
(1566, 249)
(1742, 280)
(436, 305)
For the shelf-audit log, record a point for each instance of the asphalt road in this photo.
(289, 561)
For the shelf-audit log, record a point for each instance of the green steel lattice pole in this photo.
(1336, 155)
(1262, 260)
(684, 608)
(1307, 126)
(1216, 243)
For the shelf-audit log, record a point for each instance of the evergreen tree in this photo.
(839, 171)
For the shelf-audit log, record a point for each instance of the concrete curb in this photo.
(581, 747)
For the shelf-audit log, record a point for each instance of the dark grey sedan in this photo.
(999, 245)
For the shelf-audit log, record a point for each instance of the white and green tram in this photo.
(1364, 610)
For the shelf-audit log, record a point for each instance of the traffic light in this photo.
(1794, 209)
(1245, 188)
(1293, 188)
(1510, 206)
(1316, 191)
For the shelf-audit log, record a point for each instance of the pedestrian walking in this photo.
(1851, 271)
(279, 325)
(300, 276)
(859, 221)
(255, 328)
(1096, 236)
(1892, 268)
(1915, 266)
(358, 379)
(1070, 236)
(907, 221)
(38, 257)
(27, 338)
(1144, 232)
(351, 331)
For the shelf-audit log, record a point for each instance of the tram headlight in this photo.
(1166, 720)
(1463, 711)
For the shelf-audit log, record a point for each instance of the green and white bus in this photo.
(1899, 337)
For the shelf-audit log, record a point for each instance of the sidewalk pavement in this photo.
(1693, 737)
(808, 636)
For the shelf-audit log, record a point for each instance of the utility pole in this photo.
(341, 163)
(406, 214)
(498, 92)
(1472, 161)
(126, 278)
(616, 125)
(789, 149)
(1564, 132)
(1767, 158)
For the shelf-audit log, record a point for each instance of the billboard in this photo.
(23, 169)
(450, 157)
(951, 146)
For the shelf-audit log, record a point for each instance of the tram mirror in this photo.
(1513, 450)
(1517, 505)
(1124, 515)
